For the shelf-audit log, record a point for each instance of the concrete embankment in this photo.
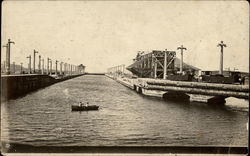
(197, 91)
(13, 86)
(122, 80)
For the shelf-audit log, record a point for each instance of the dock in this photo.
(196, 91)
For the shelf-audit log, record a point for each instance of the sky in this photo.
(103, 34)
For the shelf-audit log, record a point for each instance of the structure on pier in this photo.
(159, 64)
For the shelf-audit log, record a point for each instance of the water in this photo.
(44, 118)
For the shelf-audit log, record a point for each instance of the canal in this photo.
(125, 118)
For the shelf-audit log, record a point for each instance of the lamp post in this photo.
(221, 45)
(14, 68)
(21, 68)
(181, 63)
(34, 61)
(42, 66)
(50, 67)
(29, 64)
(39, 64)
(48, 59)
(56, 66)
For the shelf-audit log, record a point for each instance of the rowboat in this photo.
(84, 107)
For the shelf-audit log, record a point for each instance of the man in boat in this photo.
(86, 104)
(80, 104)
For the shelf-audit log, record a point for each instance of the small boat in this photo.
(84, 107)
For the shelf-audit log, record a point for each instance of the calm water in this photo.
(125, 118)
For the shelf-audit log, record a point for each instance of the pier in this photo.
(195, 91)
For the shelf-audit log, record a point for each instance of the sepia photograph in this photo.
(125, 77)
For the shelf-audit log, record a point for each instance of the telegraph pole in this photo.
(34, 61)
(181, 63)
(221, 45)
(29, 65)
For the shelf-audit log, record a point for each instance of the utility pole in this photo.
(221, 45)
(34, 61)
(29, 65)
(42, 66)
(39, 65)
(181, 63)
(21, 70)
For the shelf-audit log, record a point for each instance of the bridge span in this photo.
(195, 91)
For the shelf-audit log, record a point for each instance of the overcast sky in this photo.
(105, 34)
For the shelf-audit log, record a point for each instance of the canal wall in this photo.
(13, 86)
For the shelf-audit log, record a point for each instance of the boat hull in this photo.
(84, 108)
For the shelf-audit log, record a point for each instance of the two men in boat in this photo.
(81, 104)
